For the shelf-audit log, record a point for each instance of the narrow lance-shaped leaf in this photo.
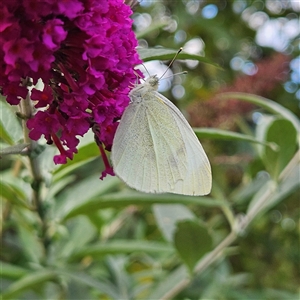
(13, 194)
(148, 54)
(27, 282)
(219, 134)
(267, 104)
(10, 128)
(120, 247)
(12, 271)
(168, 283)
(122, 199)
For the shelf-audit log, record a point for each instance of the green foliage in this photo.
(192, 241)
(276, 160)
(10, 128)
(74, 236)
(150, 54)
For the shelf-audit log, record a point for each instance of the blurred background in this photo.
(246, 38)
(101, 240)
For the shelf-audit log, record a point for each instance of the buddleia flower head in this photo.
(83, 51)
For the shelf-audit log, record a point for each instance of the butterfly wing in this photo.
(156, 151)
(198, 180)
(148, 151)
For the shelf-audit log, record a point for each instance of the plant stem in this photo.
(34, 168)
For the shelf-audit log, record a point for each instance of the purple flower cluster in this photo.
(83, 51)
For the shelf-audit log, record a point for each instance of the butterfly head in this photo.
(153, 82)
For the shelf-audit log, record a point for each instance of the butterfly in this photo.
(155, 150)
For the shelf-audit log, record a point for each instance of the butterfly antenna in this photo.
(170, 64)
(180, 73)
(146, 69)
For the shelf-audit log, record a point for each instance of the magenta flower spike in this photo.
(84, 52)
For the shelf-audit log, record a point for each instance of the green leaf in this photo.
(168, 283)
(79, 196)
(21, 187)
(13, 194)
(29, 281)
(283, 133)
(120, 247)
(192, 241)
(12, 271)
(278, 191)
(289, 184)
(167, 215)
(148, 54)
(219, 134)
(44, 159)
(247, 191)
(117, 266)
(121, 199)
(10, 128)
(59, 185)
(30, 242)
(274, 192)
(261, 129)
(87, 151)
(70, 168)
(82, 231)
(277, 294)
(102, 286)
(268, 105)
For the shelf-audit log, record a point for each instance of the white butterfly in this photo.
(155, 149)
